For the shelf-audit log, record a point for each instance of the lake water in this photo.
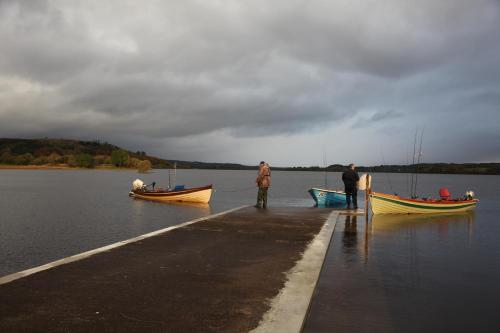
(402, 274)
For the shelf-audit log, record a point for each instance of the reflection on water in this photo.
(202, 207)
(420, 273)
(354, 249)
(140, 209)
(349, 239)
(441, 223)
(137, 208)
(398, 221)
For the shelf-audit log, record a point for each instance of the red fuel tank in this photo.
(444, 193)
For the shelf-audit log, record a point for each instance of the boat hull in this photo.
(328, 198)
(390, 204)
(197, 195)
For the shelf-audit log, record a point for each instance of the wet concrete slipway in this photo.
(243, 270)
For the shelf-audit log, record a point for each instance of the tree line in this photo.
(90, 154)
(118, 158)
(78, 154)
(428, 168)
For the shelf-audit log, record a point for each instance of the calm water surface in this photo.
(399, 274)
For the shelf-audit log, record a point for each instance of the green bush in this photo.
(119, 158)
(84, 161)
(144, 166)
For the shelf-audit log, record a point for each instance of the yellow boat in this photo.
(197, 194)
(391, 204)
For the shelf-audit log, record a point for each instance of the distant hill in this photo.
(436, 168)
(74, 153)
(439, 168)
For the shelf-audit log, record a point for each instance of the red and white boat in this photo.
(177, 194)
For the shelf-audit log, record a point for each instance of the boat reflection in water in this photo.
(387, 223)
(201, 206)
(147, 212)
(356, 243)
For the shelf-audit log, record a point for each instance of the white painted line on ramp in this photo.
(289, 307)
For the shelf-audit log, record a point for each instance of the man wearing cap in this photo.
(263, 182)
(350, 179)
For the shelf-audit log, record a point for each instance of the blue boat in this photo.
(328, 198)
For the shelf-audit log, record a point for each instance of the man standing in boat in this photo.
(263, 182)
(350, 178)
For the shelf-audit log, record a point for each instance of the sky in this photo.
(291, 82)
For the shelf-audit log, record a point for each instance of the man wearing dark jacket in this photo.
(350, 179)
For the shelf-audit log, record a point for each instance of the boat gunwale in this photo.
(324, 190)
(172, 193)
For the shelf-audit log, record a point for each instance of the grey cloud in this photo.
(152, 72)
(38, 44)
(388, 39)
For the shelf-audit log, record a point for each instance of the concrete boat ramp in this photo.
(243, 270)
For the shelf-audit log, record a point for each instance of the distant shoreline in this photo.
(60, 167)
(301, 169)
(63, 154)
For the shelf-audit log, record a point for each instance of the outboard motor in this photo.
(137, 185)
(469, 195)
(444, 193)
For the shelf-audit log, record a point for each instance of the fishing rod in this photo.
(325, 167)
(407, 174)
(175, 173)
(418, 159)
(386, 174)
(413, 162)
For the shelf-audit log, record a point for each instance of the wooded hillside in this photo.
(72, 153)
(89, 154)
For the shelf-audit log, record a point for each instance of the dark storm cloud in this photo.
(154, 73)
(38, 44)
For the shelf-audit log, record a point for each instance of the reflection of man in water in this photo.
(350, 232)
